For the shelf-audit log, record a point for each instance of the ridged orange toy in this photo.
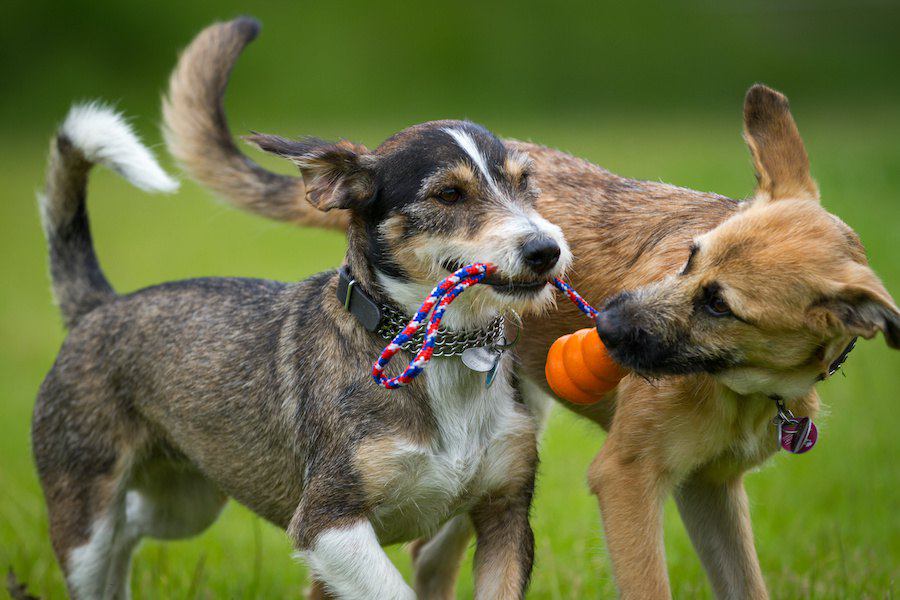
(579, 369)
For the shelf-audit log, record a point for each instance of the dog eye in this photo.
(524, 179)
(449, 195)
(717, 307)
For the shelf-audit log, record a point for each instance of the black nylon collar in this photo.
(836, 364)
(355, 300)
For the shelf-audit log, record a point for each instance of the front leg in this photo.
(436, 561)
(317, 591)
(348, 562)
(504, 551)
(631, 490)
(717, 517)
(336, 539)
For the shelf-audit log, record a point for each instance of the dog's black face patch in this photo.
(647, 342)
(652, 356)
(410, 157)
(440, 182)
(429, 199)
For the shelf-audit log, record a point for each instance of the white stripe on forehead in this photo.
(467, 143)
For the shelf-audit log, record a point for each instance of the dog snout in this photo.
(613, 327)
(615, 322)
(541, 254)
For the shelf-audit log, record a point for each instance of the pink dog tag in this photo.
(799, 436)
(796, 435)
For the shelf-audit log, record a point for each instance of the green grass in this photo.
(827, 524)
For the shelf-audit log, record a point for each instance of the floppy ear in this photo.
(782, 166)
(336, 175)
(862, 308)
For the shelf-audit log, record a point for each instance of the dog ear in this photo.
(336, 175)
(861, 308)
(782, 166)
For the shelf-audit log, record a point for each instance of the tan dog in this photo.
(734, 306)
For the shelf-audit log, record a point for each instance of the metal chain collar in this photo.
(449, 342)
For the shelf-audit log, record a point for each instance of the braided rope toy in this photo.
(439, 299)
(576, 298)
(447, 291)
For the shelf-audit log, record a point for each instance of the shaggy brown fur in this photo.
(194, 133)
(164, 402)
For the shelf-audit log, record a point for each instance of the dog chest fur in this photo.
(483, 439)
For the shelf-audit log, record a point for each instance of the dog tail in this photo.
(197, 133)
(91, 134)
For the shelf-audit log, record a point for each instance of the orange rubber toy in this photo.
(579, 369)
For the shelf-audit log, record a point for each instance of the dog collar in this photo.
(799, 434)
(387, 320)
(836, 363)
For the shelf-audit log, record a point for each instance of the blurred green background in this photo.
(650, 91)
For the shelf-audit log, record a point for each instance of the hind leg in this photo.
(170, 500)
(166, 501)
(88, 526)
(161, 500)
(84, 447)
(101, 499)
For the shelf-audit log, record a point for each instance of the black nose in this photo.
(612, 327)
(540, 254)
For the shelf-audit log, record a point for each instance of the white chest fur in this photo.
(476, 448)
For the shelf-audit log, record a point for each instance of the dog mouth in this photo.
(505, 285)
(653, 361)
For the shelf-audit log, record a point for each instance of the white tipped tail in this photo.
(91, 134)
(103, 136)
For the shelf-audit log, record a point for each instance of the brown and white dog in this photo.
(164, 402)
(719, 306)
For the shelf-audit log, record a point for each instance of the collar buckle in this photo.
(356, 301)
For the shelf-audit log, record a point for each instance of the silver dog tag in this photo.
(486, 359)
(482, 359)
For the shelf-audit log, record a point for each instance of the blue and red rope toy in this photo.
(436, 304)
(578, 368)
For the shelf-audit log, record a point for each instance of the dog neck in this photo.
(365, 274)
(386, 284)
